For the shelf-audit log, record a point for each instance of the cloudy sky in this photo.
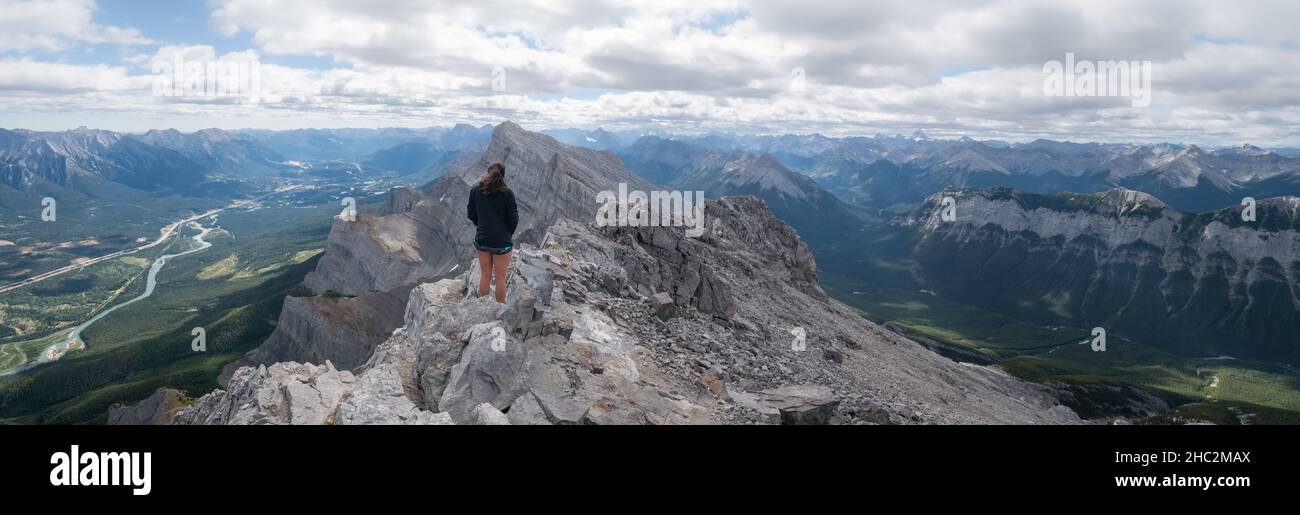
(1221, 72)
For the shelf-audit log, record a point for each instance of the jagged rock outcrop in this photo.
(577, 343)
(303, 394)
(283, 393)
(422, 236)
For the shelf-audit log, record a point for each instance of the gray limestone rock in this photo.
(491, 370)
(487, 415)
(661, 304)
(801, 404)
(525, 411)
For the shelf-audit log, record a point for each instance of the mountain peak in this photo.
(510, 134)
(1252, 150)
(1124, 200)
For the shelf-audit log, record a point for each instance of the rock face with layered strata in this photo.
(1211, 283)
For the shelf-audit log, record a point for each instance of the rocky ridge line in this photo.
(638, 326)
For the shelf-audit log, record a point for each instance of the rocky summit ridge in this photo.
(637, 325)
(363, 279)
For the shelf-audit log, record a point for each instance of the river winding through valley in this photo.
(57, 350)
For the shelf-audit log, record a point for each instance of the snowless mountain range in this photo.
(651, 327)
(878, 171)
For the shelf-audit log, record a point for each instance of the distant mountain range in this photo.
(92, 162)
(1200, 284)
(597, 139)
(212, 162)
(794, 198)
(218, 150)
(355, 144)
(890, 170)
(884, 171)
(898, 172)
(877, 172)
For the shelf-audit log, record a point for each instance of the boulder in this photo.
(378, 398)
(314, 399)
(766, 413)
(433, 362)
(491, 370)
(661, 304)
(525, 411)
(437, 308)
(428, 418)
(487, 415)
(801, 404)
(536, 272)
(833, 353)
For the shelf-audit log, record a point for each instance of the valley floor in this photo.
(233, 290)
(1198, 389)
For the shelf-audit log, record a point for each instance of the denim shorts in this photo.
(494, 250)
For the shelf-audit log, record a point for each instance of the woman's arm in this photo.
(512, 212)
(469, 208)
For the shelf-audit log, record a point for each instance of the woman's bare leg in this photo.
(500, 264)
(485, 273)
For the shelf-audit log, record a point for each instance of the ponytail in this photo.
(494, 180)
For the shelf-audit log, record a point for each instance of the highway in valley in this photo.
(164, 234)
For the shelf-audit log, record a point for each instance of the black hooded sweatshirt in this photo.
(495, 215)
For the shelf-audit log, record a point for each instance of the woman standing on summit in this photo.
(493, 210)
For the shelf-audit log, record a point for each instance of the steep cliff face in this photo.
(638, 326)
(1206, 283)
(423, 235)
